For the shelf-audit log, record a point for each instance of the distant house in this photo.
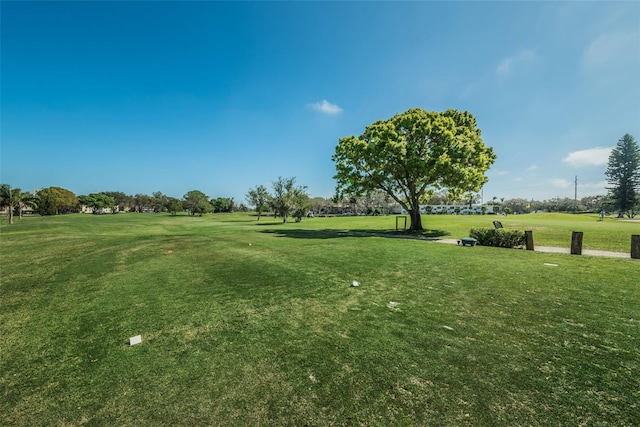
(92, 210)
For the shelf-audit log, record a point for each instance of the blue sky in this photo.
(216, 96)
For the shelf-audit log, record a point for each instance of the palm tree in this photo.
(14, 198)
(7, 199)
(23, 200)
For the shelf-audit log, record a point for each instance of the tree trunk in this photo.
(10, 214)
(416, 220)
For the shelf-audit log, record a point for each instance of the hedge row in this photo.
(498, 237)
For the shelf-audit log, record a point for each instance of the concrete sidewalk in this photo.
(548, 249)
(552, 249)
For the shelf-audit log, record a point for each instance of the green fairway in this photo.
(256, 323)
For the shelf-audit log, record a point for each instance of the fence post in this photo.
(529, 239)
(576, 243)
(635, 246)
(404, 225)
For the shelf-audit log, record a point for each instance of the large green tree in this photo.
(623, 174)
(222, 204)
(413, 154)
(174, 205)
(56, 200)
(196, 202)
(159, 201)
(258, 197)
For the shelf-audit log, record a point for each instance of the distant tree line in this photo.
(288, 199)
(57, 200)
(284, 201)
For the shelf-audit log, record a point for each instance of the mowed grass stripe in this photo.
(273, 334)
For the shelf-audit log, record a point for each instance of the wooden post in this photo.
(576, 243)
(529, 239)
(635, 246)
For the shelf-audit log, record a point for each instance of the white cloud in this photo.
(613, 47)
(532, 168)
(589, 157)
(593, 187)
(326, 107)
(499, 172)
(505, 66)
(559, 182)
(517, 179)
(611, 61)
(508, 64)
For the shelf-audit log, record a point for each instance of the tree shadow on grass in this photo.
(334, 234)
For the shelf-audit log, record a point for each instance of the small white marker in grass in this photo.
(355, 283)
(549, 264)
(135, 340)
(449, 328)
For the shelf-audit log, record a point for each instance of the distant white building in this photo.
(451, 209)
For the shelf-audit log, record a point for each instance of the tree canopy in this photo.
(11, 198)
(97, 201)
(196, 202)
(222, 204)
(258, 197)
(623, 174)
(55, 200)
(289, 199)
(412, 155)
(174, 205)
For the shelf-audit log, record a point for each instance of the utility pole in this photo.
(575, 196)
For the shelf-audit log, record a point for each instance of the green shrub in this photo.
(498, 237)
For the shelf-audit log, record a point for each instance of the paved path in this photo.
(549, 249)
(553, 249)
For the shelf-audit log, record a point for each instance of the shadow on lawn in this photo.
(333, 234)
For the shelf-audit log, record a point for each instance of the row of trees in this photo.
(286, 200)
(57, 200)
(408, 158)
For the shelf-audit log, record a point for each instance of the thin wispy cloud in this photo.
(532, 168)
(510, 63)
(593, 187)
(612, 58)
(612, 47)
(590, 157)
(559, 183)
(326, 107)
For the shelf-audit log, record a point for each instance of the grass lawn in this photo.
(548, 229)
(255, 323)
